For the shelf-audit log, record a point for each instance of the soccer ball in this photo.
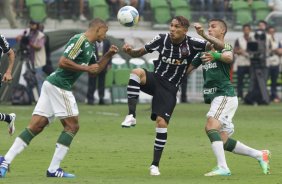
(128, 16)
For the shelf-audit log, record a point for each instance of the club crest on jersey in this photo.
(184, 50)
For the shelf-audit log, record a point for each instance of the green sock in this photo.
(27, 135)
(214, 135)
(66, 138)
(230, 144)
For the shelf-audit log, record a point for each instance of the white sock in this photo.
(217, 147)
(242, 149)
(60, 153)
(17, 147)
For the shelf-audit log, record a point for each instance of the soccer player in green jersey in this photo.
(219, 92)
(57, 100)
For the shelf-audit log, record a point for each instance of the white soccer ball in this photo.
(128, 16)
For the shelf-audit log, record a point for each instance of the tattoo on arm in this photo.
(138, 52)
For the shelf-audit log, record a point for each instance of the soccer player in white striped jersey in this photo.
(7, 77)
(176, 50)
(219, 92)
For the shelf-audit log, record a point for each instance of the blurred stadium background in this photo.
(64, 18)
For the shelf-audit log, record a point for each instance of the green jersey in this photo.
(216, 77)
(80, 51)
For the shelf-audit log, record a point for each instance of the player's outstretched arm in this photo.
(218, 44)
(103, 61)
(133, 52)
(68, 64)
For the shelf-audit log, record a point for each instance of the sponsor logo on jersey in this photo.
(87, 45)
(209, 91)
(166, 114)
(174, 61)
(209, 65)
(69, 48)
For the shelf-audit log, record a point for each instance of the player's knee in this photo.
(212, 123)
(72, 128)
(139, 72)
(161, 123)
(36, 129)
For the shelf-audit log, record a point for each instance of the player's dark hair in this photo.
(222, 23)
(183, 21)
(96, 21)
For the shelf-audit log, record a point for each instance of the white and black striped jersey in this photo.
(174, 58)
(4, 46)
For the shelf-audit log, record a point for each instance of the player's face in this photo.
(177, 31)
(216, 29)
(101, 33)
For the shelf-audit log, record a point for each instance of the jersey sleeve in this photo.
(73, 48)
(4, 44)
(227, 47)
(198, 44)
(154, 44)
(196, 62)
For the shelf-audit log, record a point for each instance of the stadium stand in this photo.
(36, 10)
(109, 82)
(119, 63)
(181, 7)
(242, 12)
(161, 11)
(260, 10)
(119, 93)
(150, 63)
(99, 9)
(137, 63)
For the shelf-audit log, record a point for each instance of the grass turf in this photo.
(103, 152)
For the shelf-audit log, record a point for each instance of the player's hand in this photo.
(127, 48)
(207, 56)
(113, 49)
(93, 69)
(199, 28)
(7, 77)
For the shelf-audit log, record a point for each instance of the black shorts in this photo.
(164, 95)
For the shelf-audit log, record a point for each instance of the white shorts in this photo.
(55, 102)
(223, 109)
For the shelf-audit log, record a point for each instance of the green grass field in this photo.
(103, 152)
